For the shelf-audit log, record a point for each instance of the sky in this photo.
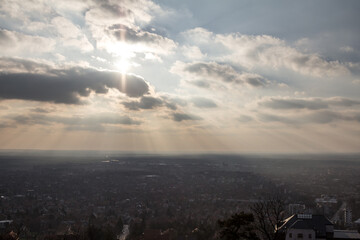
(233, 76)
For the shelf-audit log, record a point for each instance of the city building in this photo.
(347, 216)
(296, 208)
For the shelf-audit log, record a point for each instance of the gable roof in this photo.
(300, 224)
(307, 221)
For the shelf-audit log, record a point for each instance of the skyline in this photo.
(178, 76)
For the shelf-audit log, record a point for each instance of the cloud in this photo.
(275, 103)
(173, 101)
(179, 117)
(268, 117)
(92, 122)
(4, 107)
(116, 28)
(68, 85)
(5, 125)
(245, 118)
(16, 43)
(146, 102)
(200, 83)
(202, 73)
(68, 24)
(308, 110)
(263, 51)
(343, 102)
(347, 49)
(20, 65)
(41, 33)
(126, 41)
(318, 117)
(71, 35)
(126, 34)
(40, 110)
(25, 12)
(127, 11)
(201, 102)
(309, 103)
(192, 52)
(165, 100)
(322, 117)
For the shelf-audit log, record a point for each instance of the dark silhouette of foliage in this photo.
(137, 228)
(95, 233)
(119, 225)
(238, 227)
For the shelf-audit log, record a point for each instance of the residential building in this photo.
(313, 227)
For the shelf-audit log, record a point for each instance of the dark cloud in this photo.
(144, 103)
(96, 128)
(171, 105)
(31, 119)
(281, 103)
(203, 102)
(98, 119)
(343, 102)
(95, 122)
(325, 117)
(124, 9)
(177, 101)
(245, 118)
(255, 81)
(265, 117)
(356, 116)
(331, 116)
(105, 11)
(318, 117)
(6, 125)
(221, 72)
(68, 85)
(4, 37)
(149, 102)
(200, 83)
(125, 33)
(173, 102)
(40, 110)
(224, 72)
(311, 103)
(115, 10)
(4, 107)
(18, 65)
(178, 117)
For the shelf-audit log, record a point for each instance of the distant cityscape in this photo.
(117, 196)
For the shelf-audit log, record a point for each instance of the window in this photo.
(300, 235)
(310, 236)
(290, 235)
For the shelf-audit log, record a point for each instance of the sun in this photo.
(123, 65)
(124, 53)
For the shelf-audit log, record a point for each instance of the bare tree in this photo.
(238, 227)
(269, 213)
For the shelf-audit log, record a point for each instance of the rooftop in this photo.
(307, 221)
